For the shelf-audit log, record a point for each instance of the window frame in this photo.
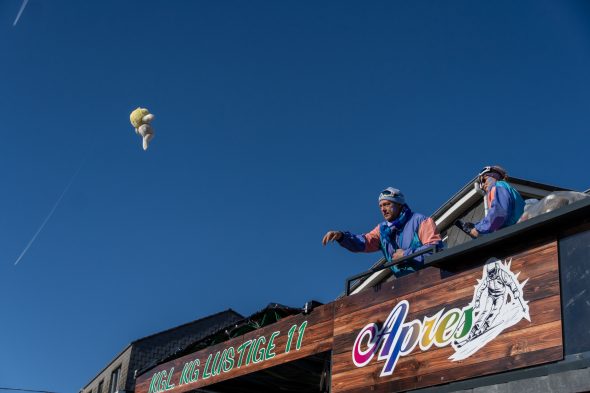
(115, 375)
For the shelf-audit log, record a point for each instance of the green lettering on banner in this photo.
(169, 385)
(221, 360)
(228, 362)
(215, 366)
(250, 351)
(290, 338)
(155, 384)
(269, 353)
(186, 372)
(195, 375)
(207, 363)
(259, 352)
(241, 350)
(162, 386)
(301, 332)
(183, 375)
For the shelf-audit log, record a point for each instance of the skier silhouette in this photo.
(496, 281)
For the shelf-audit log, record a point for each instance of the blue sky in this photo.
(275, 121)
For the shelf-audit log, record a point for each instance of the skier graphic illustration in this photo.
(498, 304)
(496, 283)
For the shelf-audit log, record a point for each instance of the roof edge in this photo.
(454, 199)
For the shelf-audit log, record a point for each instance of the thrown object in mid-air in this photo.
(141, 119)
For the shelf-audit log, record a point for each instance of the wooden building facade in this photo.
(509, 311)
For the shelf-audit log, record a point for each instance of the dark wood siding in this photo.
(523, 344)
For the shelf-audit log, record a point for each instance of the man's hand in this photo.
(331, 236)
(399, 253)
(467, 227)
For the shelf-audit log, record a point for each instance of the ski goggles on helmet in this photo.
(393, 195)
(495, 171)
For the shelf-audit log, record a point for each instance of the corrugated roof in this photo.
(229, 310)
(264, 317)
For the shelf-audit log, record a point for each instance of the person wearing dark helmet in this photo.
(402, 233)
(505, 205)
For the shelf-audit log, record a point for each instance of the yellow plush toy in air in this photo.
(141, 119)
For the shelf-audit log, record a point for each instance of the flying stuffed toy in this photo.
(141, 119)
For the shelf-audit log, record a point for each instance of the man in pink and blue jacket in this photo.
(403, 233)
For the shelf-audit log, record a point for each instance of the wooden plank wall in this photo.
(524, 344)
(317, 338)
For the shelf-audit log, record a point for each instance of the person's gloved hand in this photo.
(467, 227)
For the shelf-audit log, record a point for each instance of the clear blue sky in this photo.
(275, 121)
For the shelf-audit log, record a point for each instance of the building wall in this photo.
(121, 361)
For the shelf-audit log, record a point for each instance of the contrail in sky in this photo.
(20, 12)
(50, 214)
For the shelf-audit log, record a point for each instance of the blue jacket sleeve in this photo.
(352, 242)
(497, 213)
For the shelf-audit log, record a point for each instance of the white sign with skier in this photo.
(497, 303)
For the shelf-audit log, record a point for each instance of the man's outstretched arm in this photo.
(368, 242)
